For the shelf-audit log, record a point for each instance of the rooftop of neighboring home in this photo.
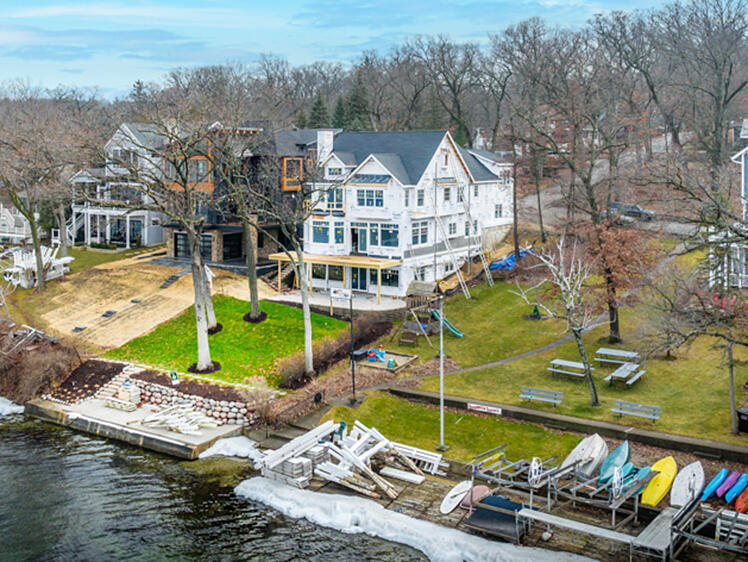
(406, 154)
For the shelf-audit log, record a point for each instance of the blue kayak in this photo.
(616, 459)
(714, 484)
(635, 478)
(737, 488)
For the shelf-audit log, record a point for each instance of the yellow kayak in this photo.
(659, 486)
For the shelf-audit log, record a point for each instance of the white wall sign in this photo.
(485, 409)
(343, 294)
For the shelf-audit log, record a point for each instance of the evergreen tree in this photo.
(301, 119)
(319, 116)
(357, 110)
(338, 116)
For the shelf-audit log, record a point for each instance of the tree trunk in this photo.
(40, 280)
(60, 215)
(587, 370)
(543, 236)
(614, 325)
(204, 361)
(304, 290)
(205, 291)
(733, 414)
(254, 311)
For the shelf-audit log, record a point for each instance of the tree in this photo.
(301, 121)
(357, 106)
(338, 116)
(569, 274)
(319, 117)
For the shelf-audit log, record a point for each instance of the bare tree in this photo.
(569, 272)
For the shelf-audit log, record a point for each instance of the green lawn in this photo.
(242, 349)
(87, 257)
(494, 327)
(467, 435)
(691, 389)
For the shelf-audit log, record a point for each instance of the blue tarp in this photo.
(508, 262)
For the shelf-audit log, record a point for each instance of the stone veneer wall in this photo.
(169, 239)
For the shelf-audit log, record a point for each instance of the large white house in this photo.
(93, 221)
(399, 206)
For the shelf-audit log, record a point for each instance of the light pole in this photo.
(442, 446)
(353, 357)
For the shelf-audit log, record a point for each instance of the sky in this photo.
(108, 45)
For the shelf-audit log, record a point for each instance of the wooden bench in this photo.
(553, 396)
(409, 338)
(636, 377)
(622, 407)
(626, 373)
(563, 367)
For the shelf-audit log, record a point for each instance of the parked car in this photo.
(631, 210)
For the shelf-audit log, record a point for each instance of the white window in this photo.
(447, 194)
(334, 171)
(460, 197)
(419, 198)
(453, 229)
(370, 198)
(467, 228)
(475, 226)
(320, 232)
(407, 198)
(420, 232)
(448, 267)
(475, 190)
(497, 211)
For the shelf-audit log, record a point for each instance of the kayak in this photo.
(687, 485)
(741, 504)
(616, 459)
(728, 483)
(737, 489)
(454, 496)
(659, 486)
(715, 483)
(634, 478)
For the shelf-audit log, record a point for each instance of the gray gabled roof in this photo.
(147, 135)
(498, 157)
(413, 149)
(477, 170)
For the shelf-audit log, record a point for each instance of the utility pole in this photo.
(353, 357)
(442, 446)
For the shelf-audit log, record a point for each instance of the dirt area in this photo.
(86, 380)
(81, 299)
(195, 387)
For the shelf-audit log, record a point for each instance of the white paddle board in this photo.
(688, 483)
(454, 497)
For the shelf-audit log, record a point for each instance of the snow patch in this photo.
(7, 407)
(242, 447)
(350, 514)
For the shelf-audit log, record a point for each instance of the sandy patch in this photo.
(87, 295)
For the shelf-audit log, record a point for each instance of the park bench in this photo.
(630, 382)
(564, 367)
(409, 338)
(621, 407)
(610, 355)
(542, 395)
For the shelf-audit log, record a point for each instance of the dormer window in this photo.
(124, 157)
(334, 171)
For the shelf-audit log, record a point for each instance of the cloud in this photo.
(72, 70)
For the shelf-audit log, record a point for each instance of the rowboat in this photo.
(659, 486)
(616, 459)
(715, 483)
(687, 484)
(737, 489)
(728, 483)
(591, 451)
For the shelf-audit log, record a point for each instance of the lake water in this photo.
(68, 496)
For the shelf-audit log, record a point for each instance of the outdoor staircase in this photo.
(271, 278)
(72, 227)
(172, 279)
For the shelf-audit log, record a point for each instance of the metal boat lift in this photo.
(727, 529)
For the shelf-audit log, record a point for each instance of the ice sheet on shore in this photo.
(242, 447)
(7, 407)
(350, 514)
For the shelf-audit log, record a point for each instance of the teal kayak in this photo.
(636, 477)
(616, 459)
(714, 484)
(737, 488)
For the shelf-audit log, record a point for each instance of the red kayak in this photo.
(741, 503)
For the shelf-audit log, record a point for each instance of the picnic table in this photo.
(564, 367)
(610, 355)
(626, 373)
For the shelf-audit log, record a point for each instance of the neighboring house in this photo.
(269, 149)
(729, 266)
(93, 221)
(401, 206)
(14, 227)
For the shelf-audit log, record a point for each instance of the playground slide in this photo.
(455, 332)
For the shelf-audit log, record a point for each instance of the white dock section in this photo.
(573, 525)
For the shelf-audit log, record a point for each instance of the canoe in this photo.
(591, 451)
(616, 459)
(454, 497)
(659, 486)
(741, 504)
(477, 494)
(687, 485)
(728, 483)
(715, 483)
(737, 489)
